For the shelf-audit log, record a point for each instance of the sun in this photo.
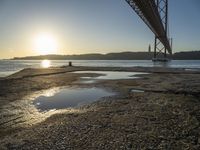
(45, 43)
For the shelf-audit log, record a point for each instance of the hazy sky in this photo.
(90, 26)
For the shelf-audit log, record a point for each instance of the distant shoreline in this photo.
(189, 55)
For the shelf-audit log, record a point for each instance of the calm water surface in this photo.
(111, 75)
(69, 97)
(8, 67)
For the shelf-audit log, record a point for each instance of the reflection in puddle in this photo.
(86, 81)
(191, 69)
(70, 97)
(22, 113)
(137, 91)
(112, 75)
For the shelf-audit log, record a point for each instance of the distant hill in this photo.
(193, 55)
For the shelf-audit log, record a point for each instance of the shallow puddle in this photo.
(70, 97)
(137, 91)
(111, 75)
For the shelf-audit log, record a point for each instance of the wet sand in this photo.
(165, 116)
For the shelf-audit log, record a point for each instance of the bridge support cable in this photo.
(154, 13)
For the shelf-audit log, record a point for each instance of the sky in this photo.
(89, 26)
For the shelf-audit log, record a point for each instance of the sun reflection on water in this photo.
(50, 92)
(45, 63)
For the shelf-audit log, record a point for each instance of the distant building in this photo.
(149, 48)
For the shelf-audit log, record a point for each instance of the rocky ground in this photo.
(165, 116)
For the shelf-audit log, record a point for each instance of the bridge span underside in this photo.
(150, 11)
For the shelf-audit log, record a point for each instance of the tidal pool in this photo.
(111, 75)
(70, 97)
(137, 91)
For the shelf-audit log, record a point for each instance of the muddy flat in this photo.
(157, 108)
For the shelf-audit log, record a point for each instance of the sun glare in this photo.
(45, 44)
(46, 63)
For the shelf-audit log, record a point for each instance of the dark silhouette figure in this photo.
(70, 63)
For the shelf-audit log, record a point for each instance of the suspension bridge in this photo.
(154, 13)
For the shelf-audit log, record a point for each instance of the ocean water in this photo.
(8, 67)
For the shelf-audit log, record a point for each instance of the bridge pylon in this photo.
(160, 50)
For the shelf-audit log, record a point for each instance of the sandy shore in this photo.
(165, 116)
